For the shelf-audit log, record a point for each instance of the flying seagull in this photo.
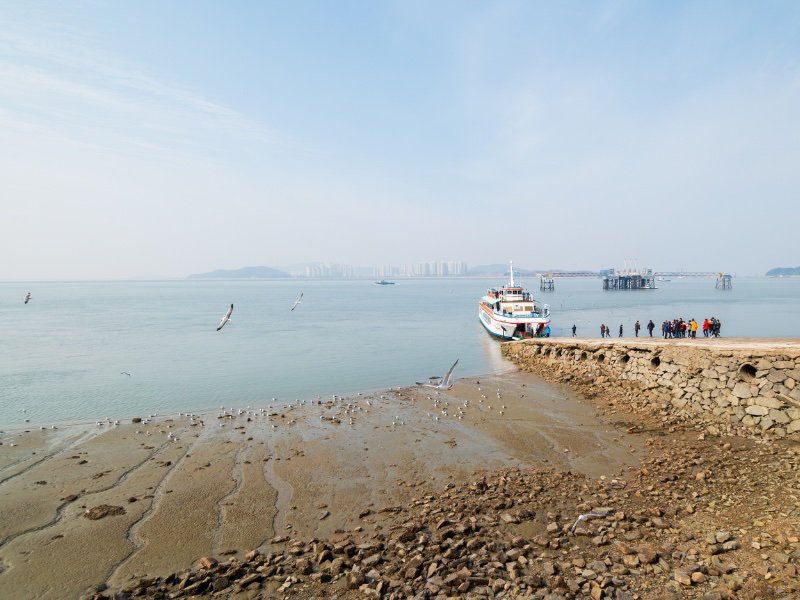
(125, 373)
(28, 297)
(296, 302)
(226, 318)
(445, 383)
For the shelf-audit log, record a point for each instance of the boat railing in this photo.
(533, 314)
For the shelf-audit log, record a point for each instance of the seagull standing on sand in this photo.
(226, 318)
(445, 383)
(589, 515)
(296, 302)
(28, 297)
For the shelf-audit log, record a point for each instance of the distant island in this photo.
(243, 273)
(784, 272)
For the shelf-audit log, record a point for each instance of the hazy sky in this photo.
(151, 138)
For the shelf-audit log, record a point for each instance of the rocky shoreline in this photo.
(738, 384)
(669, 531)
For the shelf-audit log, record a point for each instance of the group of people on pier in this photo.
(677, 328)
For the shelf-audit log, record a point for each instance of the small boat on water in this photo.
(384, 282)
(511, 313)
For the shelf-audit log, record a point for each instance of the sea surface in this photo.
(63, 354)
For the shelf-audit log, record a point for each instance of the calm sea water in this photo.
(61, 356)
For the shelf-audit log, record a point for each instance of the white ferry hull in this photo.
(506, 327)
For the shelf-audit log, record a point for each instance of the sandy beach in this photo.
(177, 488)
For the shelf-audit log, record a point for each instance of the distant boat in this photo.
(384, 282)
(662, 279)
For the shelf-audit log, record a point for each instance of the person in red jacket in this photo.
(705, 327)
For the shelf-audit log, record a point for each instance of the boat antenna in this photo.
(511, 268)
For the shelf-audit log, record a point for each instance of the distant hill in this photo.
(784, 272)
(243, 273)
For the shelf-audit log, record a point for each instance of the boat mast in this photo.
(511, 268)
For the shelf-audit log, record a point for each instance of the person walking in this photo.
(620, 330)
(705, 327)
(574, 329)
(602, 330)
(636, 327)
(650, 327)
(608, 331)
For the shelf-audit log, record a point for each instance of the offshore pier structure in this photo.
(629, 279)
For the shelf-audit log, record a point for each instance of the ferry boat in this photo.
(384, 282)
(511, 313)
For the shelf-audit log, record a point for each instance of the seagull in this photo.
(28, 297)
(226, 318)
(589, 515)
(296, 302)
(125, 373)
(445, 383)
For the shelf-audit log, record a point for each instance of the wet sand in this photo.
(233, 482)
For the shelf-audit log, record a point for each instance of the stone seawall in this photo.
(742, 385)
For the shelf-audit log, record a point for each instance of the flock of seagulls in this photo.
(225, 319)
(435, 382)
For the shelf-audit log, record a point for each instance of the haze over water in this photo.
(62, 355)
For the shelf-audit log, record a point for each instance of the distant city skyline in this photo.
(435, 268)
(570, 134)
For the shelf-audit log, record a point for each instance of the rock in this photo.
(509, 518)
(103, 510)
(355, 580)
(207, 562)
(220, 584)
(372, 560)
(659, 523)
(682, 576)
(731, 545)
(647, 555)
(742, 390)
(756, 410)
(698, 577)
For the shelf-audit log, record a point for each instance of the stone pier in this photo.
(744, 385)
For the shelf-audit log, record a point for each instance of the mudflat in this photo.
(107, 504)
